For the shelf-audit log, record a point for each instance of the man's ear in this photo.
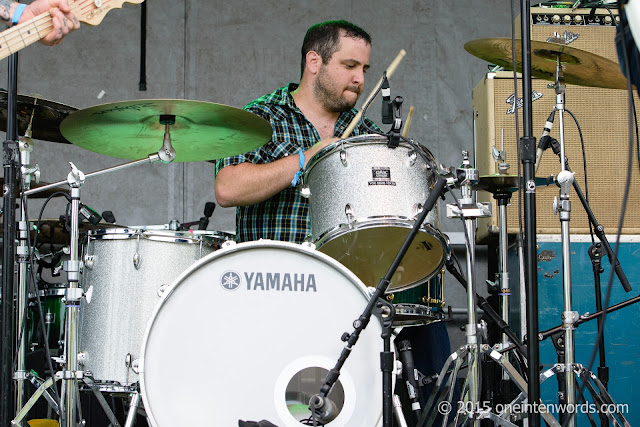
(314, 62)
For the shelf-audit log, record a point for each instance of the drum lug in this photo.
(136, 260)
(343, 157)
(88, 261)
(413, 156)
(88, 294)
(82, 358)
(348, 210)
(417, 208)
(305, 191)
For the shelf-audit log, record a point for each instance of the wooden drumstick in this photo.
(390, 71)
(407, 123)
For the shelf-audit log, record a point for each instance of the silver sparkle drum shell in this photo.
(235, 329)
(125, 272)
(364, 198)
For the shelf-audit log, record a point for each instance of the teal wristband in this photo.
(296, 177)
(18, 13)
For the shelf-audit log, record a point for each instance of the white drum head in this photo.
(241, 324)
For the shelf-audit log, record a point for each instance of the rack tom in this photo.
(363, 200)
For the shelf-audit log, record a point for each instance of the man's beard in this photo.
(324, 91)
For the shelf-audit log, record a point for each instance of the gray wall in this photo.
(232, 52)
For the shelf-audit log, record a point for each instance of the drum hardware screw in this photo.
(228, 243)
(307, 244)
(345, 337)
(412, 157)
(135, 365)
(390, 297)
(162, 290)
(98, 3)
(88, 261)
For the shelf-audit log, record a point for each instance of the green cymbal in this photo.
(132, 129)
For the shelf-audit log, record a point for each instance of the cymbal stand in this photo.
(74, 294)
(502, 282)
(25, 146)
(444, 389)
(469, 211)
(562, 206)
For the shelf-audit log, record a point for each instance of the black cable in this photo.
(584, 167)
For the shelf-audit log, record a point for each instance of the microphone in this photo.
(89, 214)
(543, 144)
(209, 207)
(410, 374)
(387, 113)
(324, 408)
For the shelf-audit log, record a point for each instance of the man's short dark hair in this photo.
(324, 39)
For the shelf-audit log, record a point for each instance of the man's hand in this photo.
(64, 21)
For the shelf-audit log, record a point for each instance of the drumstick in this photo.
(390, 71)
(407, 123)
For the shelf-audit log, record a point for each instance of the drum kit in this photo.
(191, 323)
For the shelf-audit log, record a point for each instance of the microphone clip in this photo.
(396, 126)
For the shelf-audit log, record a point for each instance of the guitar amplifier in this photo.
(593, 32)
(603, 117)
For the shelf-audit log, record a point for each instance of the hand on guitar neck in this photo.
(63, 20)
(48, 21)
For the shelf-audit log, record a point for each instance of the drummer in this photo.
(306, 117)
(63, 20)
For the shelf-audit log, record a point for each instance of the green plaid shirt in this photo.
(285, 216)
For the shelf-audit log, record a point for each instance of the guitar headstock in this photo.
(92, 12)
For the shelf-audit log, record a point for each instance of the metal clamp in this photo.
(73, 294)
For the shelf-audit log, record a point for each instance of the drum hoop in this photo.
(396, 221)
(52, 292)
(359, 140)
(169, 236)
(213, 234)
(304, 248)
(380, 221)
